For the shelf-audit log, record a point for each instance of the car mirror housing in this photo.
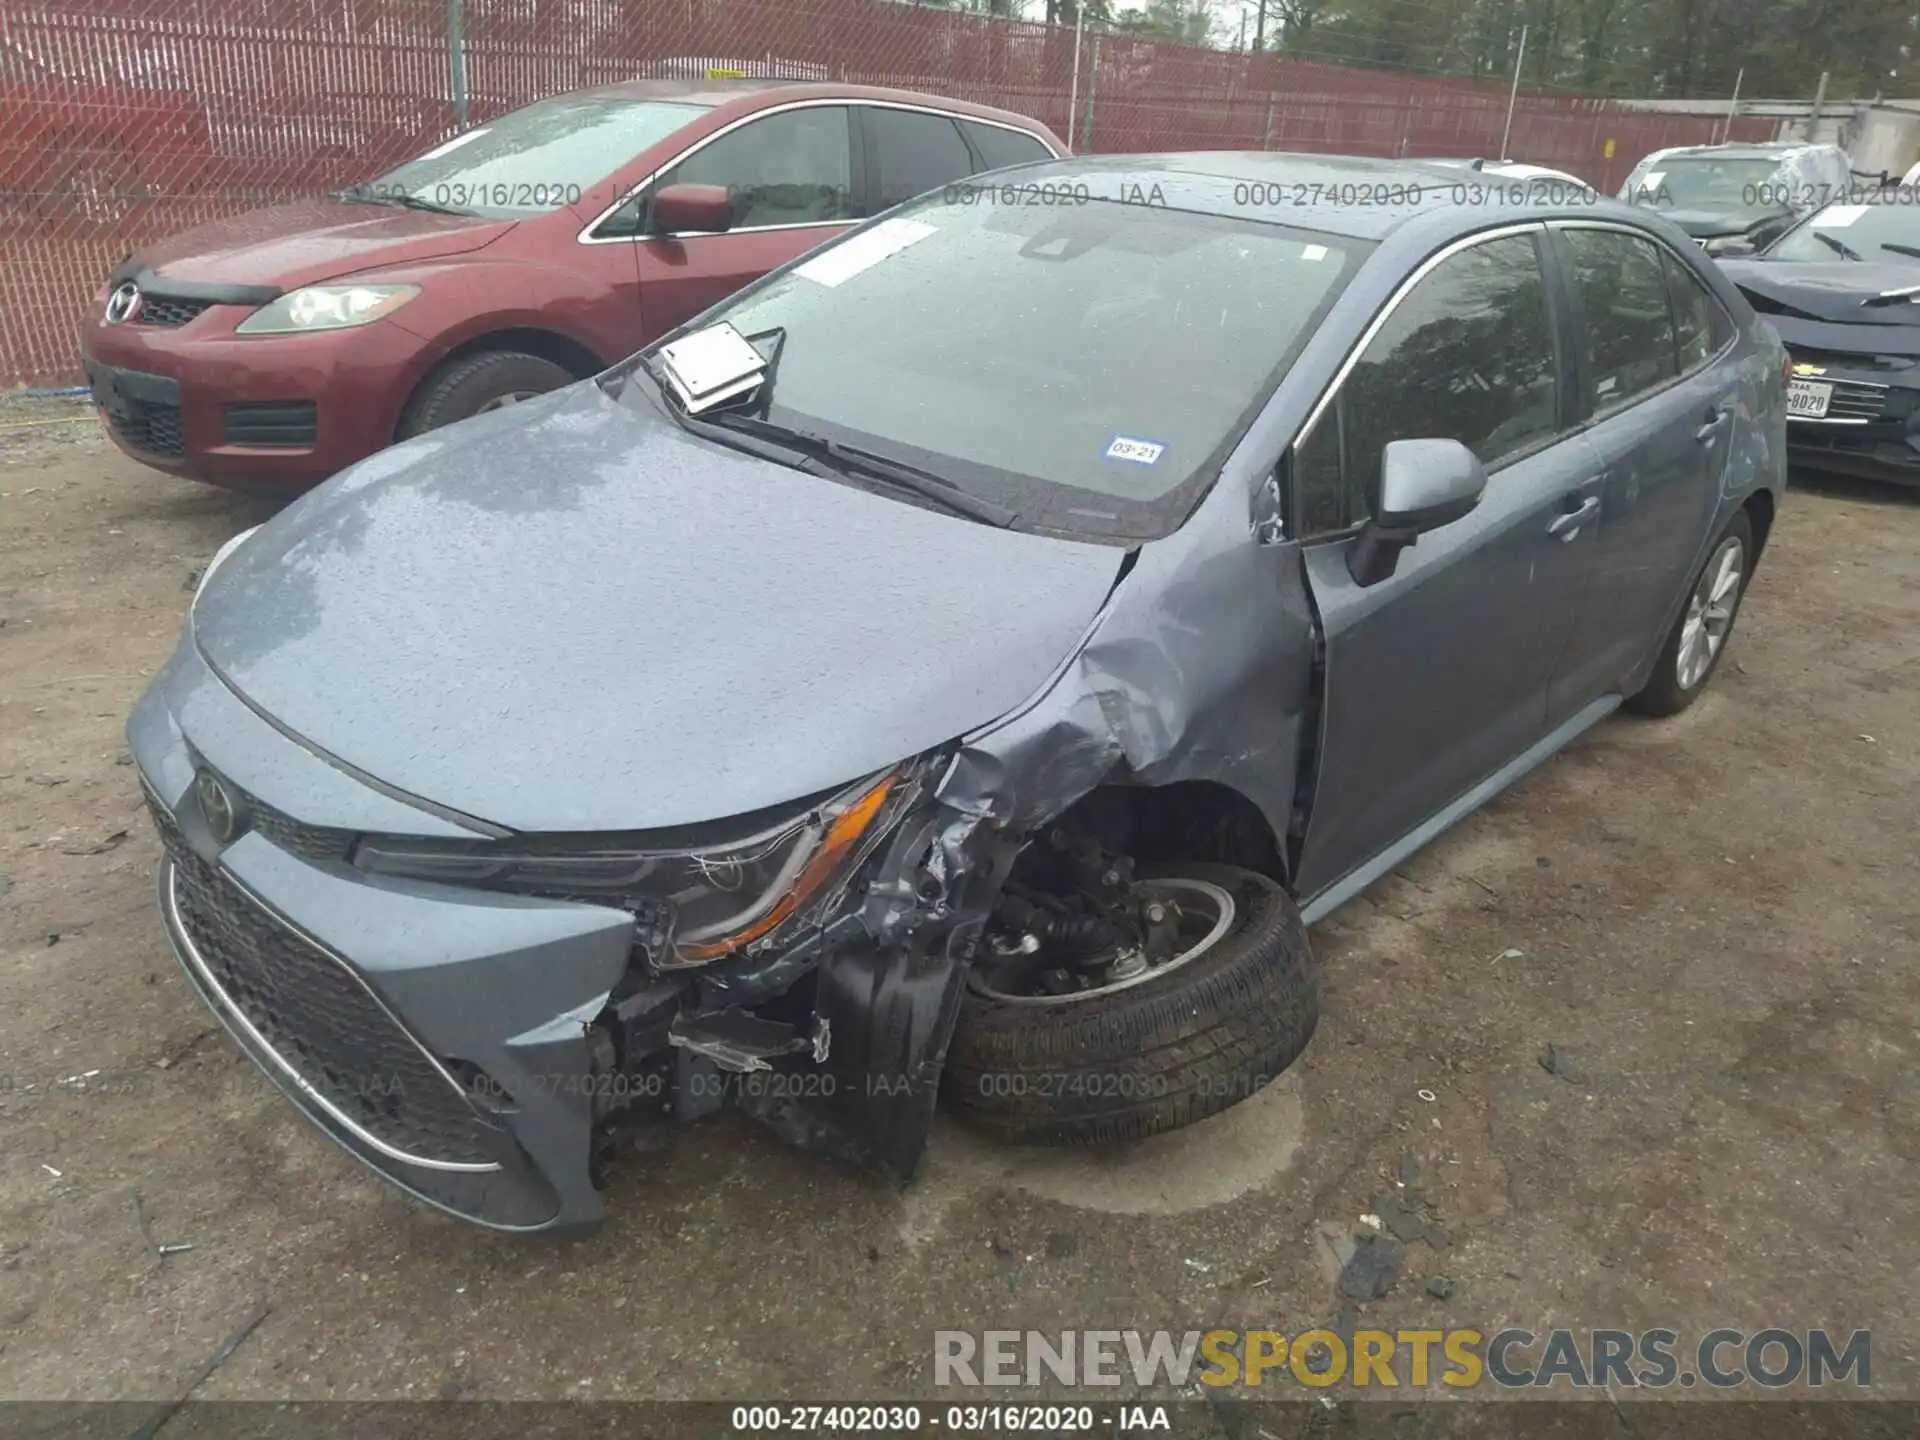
(1731, 247)
(699, 209)
(1424, 484)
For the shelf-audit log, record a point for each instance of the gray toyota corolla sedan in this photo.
(963, 660)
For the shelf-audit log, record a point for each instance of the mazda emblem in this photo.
(222, 812)
(123, 304)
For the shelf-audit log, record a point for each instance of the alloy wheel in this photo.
(1710, 613)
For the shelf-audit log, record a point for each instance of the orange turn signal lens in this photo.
(842, 835)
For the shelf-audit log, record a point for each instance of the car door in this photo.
(791, 173)
(1437, 677)
(1659, 415)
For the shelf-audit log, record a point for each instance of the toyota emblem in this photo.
(217, 804)
(123, 303)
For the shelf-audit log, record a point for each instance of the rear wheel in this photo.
(471, 384)
(1148, 1047)
(1700, 634)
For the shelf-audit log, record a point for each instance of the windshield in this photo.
(1084, 366)
(534, 160)
(1888, 232)
(1701, 182)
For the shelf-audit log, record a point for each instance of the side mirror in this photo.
(703, 209)
(1732, 247)
(1424, 484)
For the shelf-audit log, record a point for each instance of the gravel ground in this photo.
(1711, 921)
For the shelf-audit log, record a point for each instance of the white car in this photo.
(1513, 170)
(1751, 193)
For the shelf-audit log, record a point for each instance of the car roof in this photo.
(765, 92)
(1352, 196)
(1753, 150)
(1518, 169)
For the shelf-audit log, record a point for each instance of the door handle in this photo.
(1567, 526)
(1716, 421)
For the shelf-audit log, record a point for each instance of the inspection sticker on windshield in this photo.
(1835, 217)
(1140, 452)
(860, 252)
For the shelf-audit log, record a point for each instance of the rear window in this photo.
(997, 146)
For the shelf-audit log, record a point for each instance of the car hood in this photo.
(313, 240)
(571, 615)
(1714, 224)
(1844, 291)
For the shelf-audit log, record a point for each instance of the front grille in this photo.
(315, 842)
(155, 429)
(290, 423)
(1856, 400)
(320, 1017)
(1838, 360)
(167, 310)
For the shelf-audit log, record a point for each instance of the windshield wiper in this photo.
(398, 199)
(847, 459)
(1833, 244)
(804, 450)
(1911, 251)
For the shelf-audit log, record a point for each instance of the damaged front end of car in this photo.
(809, 973)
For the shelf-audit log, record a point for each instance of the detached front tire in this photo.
(1705, 624)
(469, 384)
(1186, 1040)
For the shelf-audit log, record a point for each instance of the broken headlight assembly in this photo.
(694, 904)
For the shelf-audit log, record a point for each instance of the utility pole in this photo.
(1513, 95)
(457, 58)
(1073, 91)
(1819, 102)
(1733, 106)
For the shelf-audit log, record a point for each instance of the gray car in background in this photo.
(1092, 575)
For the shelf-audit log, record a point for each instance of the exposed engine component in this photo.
(1072, 918)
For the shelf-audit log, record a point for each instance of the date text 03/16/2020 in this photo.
(952, 1419)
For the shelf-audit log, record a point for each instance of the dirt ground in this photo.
(1711, 920)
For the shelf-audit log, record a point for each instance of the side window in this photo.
(914, 152)
(1466, 355)
(1697, 326)
(1316, 477)
(997, 146)
(793, 168)
(1629, 328)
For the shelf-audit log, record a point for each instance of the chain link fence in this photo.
(124, 121)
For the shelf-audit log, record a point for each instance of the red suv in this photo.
(275, 348)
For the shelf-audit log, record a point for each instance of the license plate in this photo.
(1808, 399)
(107, 397)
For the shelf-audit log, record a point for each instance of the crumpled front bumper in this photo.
(1872, 425)
(374, 1004)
